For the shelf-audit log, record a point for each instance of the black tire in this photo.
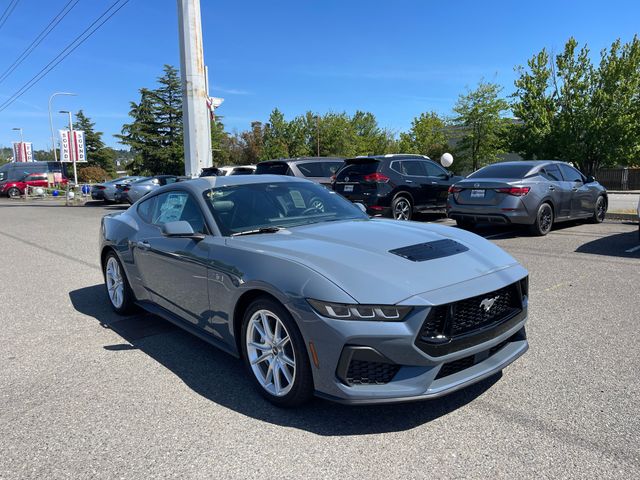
(402, 208)
(466, 224)
(13, 192)
(128, 299)
(302, 388)
(544, 220)
(600, 210)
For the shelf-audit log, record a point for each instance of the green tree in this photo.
(427, 136)
(252, 143)
(483, 128)
(98, 154)
(277, 137)
(155, 134)
(575, 111)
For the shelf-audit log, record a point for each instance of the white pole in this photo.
(72, 152)
(195, 113)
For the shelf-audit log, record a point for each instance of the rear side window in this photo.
(413, 167)
(319, 169)
(570, 174)
(241, 171)
(501, 170)
(551, 172)
(175, 206)
(145, 209)
(357, 170)
(272, 169)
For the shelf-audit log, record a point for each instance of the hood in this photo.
(355, 256)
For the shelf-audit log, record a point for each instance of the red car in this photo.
(15, 188)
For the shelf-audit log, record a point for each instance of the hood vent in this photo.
(430, 250)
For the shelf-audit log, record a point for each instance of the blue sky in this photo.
(395, 59)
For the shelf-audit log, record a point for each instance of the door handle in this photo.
(574, 189)
(551, 187)
(434, 183)
(409, 181)
(143, 245)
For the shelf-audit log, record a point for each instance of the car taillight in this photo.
(125, 189)
(453, 189)
(333, 178)
(515, 191)
(376, 177)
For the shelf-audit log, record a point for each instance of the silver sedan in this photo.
(136, 190)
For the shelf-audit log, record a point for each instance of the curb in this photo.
(624, 192)
(622, 216)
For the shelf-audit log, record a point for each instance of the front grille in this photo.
(466, 316)
(362, 372)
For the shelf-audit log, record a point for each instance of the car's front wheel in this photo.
(118, 288)
(275, 354)
(600, 210)
(401, 208)
(13, 192)
(544, 220)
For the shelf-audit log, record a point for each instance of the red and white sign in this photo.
(73, 145)
(22, 152)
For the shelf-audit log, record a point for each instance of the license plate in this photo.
(348, 188)
(477, 193)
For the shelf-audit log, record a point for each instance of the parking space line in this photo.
(631, 250)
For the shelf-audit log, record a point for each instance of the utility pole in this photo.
(195, 112)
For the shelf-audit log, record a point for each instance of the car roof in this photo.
(203, 183)
(299, 160)
(389, 156)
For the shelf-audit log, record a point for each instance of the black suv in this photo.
(395, 185)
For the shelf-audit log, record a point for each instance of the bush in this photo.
(92, 175)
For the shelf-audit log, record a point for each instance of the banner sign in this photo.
(72, 147)
(22, 152)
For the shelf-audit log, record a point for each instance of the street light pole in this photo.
(195, 113)
(53, 137)
(72, 148)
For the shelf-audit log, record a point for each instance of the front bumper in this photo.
(416, 375)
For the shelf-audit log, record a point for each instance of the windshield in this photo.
(501, 170)
(241, 208)
(3, 176)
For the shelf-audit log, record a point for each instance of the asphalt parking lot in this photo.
(87, 394)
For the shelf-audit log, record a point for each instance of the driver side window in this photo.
(176, 206)
(570, 174)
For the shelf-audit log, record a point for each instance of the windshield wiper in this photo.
(257, 231)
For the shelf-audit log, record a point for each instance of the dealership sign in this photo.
(22, 152)
(72, 146)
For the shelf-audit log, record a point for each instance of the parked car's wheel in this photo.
(13, 192)
(401, 208)
(466, 224)
(118, 288)
(600, 210)
(544, 220)
(275, 354)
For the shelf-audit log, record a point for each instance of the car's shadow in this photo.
(222, 378)
(616, 245)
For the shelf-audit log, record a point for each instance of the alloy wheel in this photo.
(601, 209)
(13, 193)
(270, 353)
(545, 219)
(115, 282)
(402, 210)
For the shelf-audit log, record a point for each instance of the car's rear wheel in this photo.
(401, 208)
(275, 354)
(13, 192)
(600, 210)
(118, 288)
(544, 220)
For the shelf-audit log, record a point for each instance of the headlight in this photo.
(342, 311)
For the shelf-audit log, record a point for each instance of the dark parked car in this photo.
(107, 190)
(395, 185)
(534, 193)
(316, 169)
(312, 294)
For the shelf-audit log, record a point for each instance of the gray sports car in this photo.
(315, 296)
(534, 193)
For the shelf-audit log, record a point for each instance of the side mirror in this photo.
(450, 173)
(590, 179)
(180, 229)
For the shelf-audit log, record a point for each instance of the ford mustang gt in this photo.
(313, 295)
